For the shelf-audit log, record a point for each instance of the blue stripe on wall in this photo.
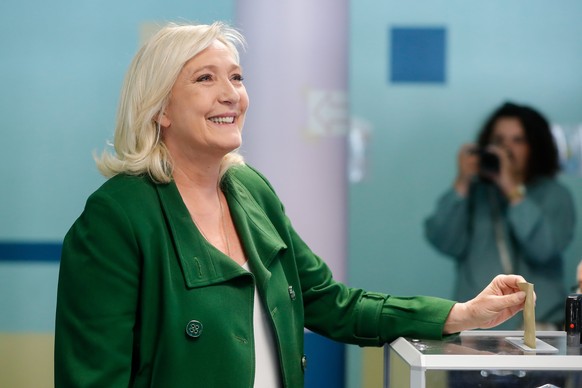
(325, 362)
(32, 251)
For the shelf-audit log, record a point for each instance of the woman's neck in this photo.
(199, 178)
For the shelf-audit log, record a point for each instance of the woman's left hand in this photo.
(498, 302)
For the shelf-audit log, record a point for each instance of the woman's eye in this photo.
(238, 77)
(203, 78)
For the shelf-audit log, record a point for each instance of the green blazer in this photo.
(144, 301)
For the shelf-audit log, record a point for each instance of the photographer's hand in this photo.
(468, 167)
(508, 180)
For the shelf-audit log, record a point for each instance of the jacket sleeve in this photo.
(360, 317)
(447, 229)
(96, 299)
(543, 222)
(347, 314)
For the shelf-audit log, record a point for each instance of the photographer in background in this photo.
(506, 212)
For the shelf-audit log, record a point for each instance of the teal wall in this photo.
(529, 51)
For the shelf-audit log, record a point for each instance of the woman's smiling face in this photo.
(207, 106)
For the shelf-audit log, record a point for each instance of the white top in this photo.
(267, 372)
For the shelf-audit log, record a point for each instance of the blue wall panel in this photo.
(418, 54)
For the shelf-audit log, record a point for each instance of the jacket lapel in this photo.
(201, 263)
(259, 237)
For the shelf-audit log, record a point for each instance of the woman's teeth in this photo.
(222, 120)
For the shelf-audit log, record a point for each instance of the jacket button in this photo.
(291, 292)
(304, 362)
(194, 329)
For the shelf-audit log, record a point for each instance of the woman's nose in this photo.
(228, 93)
(501, 142)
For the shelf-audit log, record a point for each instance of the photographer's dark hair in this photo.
(543, 155)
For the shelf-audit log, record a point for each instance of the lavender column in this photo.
(295, 71)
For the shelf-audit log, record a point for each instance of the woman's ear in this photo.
(163, 120)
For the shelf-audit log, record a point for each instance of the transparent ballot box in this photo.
(483, 358)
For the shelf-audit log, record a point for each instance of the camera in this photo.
(488, 162)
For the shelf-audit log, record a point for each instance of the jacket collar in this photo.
(202, 263)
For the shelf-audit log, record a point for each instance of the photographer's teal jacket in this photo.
(144, 301)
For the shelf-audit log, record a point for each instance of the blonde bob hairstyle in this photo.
(138, 148)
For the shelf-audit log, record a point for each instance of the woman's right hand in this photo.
(468, 167)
